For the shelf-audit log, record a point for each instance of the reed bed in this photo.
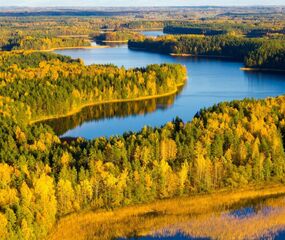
(197, 216)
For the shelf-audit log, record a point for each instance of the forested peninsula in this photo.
(258, 53)
(50, 85)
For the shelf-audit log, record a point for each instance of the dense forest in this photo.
(192, 30)
(230, 28)
(227, 146)
(255, 53)
(44, 178)
(52, 85)
(29, 42)
(34, 43)
(118, 36)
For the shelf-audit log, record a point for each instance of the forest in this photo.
(25, 33)
(118, 36)
(255, 53)
(52, 86)
(43, 178)
(230, 28)
(46, 43)
(43, 30)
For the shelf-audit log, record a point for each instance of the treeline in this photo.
(52, 85)
(255, 53)
(144, 24)
(229, 145)
(270, 55)
(55, 31)
(43, 32)
(46, 43)
(192, 30)
(118, 36)
(249, 29)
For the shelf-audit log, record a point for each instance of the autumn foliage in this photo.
(229, 145)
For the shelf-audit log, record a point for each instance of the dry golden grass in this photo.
(200, 216)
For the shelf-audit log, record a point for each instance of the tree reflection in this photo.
(108, 111)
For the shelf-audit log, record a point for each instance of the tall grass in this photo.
(197, 216)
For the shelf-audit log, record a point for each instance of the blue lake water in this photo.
(153, 33)
(210, 81)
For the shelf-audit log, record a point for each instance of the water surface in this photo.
(256, 219)
(152, 33)
(210, 81)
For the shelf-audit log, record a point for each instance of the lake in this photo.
(210, 81)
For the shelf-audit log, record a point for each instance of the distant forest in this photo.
(255, 53)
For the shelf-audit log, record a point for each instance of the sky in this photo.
(127, 3)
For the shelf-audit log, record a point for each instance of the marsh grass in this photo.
(197, 216)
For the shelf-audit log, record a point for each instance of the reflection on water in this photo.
(178, 236)
(210, 81)
(107, 111)
(243, 212)
(152, 33)
(258, 219)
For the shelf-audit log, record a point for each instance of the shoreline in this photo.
(195, 204)
(147, 29)
(118, 41)
(135, 29)
(66, 48)
(202, 56)
(211, 57)
(261, 70)
(78, 109)
(183, 54)
(248, 69)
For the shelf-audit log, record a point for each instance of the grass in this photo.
(200, 216)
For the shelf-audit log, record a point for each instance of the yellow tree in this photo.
(45, 204)
(168, 149)
(3, 227)
(183, 175)
(65, 197)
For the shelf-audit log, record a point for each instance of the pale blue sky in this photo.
(126, 3)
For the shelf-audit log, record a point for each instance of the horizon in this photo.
(142, 6)
(142, 3)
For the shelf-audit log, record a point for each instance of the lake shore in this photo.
(143, 218)
(78, 109)
(136, 29)
(262, 69)
(194, 55)
(66, 48)
(248, 69)
(115, 41)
